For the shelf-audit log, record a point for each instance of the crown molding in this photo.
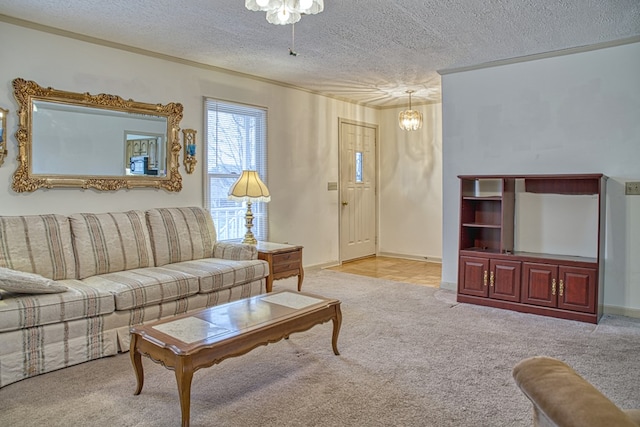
(534, 57)
(102, 42)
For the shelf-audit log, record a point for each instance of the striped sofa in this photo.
(119, 269)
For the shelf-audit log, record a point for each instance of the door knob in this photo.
(345, 203)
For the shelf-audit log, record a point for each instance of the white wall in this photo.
(302, 134)
(410, 193)
(577, 113)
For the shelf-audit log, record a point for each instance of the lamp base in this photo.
(249, 238)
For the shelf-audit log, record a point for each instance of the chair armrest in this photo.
(235, 251)
(563, 398)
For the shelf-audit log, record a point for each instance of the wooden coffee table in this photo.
(204, 338)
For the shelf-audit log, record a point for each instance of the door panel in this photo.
(539, 284)
(357, 191)
(504, 280)
(577, 289)
(473, 275)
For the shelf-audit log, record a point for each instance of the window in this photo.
(358, 166)
(236, 140)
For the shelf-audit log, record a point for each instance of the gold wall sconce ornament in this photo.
(189, 140)
(3, 134)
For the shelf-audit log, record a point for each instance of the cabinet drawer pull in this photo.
(561, 290)
(484, 278)
(553, 287)
(491, 279)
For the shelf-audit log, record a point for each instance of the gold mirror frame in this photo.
(3, 134)
(25, 92)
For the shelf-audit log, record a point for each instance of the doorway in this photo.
(358, 178)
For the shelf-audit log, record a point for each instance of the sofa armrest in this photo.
(235, 251)
(563, 398)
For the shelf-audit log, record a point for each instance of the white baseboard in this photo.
(411, 257)
(324, 265)
(450, 286)
(622, 311)
(607, 309)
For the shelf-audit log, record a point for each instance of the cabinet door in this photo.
(504, 280)
(539, 284)
(577, 289)
(473, 275)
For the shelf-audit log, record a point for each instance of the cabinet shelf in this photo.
(479, 225)
(579, 261)
(492, 273)
(483, 198)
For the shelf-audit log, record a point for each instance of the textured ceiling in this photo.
(368, 51)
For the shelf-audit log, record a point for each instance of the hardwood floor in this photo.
(399, 269)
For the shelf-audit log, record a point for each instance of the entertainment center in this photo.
(493, 270)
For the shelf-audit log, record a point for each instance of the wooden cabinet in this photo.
(567, 288)
(492, 273)
(490, 278)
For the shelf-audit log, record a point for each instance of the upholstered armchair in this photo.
(563, 398)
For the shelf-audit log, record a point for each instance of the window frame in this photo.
(251, 158)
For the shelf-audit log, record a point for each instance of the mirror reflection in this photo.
(93, 140)
(144, 154)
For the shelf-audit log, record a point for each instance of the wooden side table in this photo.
(284, 261)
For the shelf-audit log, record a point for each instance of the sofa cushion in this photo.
(110, 242)
(27, 283)
(236, 251)
(181, 234)
(18, 311)
(215, 274)
(39, 244)
(145, 286)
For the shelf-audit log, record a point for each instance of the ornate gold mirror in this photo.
(3, 134)
(68, 139)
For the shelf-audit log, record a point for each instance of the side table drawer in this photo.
(281, 268)
(286, 258)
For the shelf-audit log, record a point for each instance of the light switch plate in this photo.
(331, 186)
(632, 188)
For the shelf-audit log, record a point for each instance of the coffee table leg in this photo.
(337, 321)
(184, 375)
(136, 361)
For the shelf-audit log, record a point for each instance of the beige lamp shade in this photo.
(249, 187)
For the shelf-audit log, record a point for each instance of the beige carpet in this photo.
(410, 356)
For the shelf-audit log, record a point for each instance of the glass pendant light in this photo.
(410, 119)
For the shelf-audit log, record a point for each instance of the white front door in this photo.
(357, 190)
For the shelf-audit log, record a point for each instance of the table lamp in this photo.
(250, 188)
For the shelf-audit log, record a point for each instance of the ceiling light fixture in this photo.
(283, 12)
(410, 119)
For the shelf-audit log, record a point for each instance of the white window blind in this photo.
(236, 141)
